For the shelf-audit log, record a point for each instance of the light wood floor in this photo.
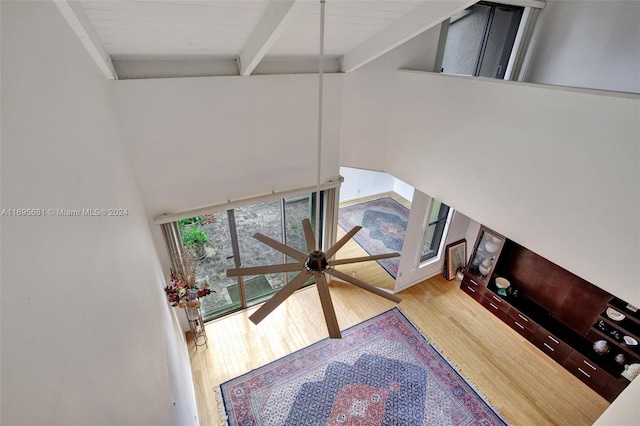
(522, 383)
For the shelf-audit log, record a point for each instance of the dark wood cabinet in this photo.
(497, 301)
(613, 388)
(568, 298)
(559, 312)
(520, 323)
(550, 344)
(523, 320)
(484, 256)
(473, 289)
(488, 303)
(619, 326)
(481, 264)
(587, 370)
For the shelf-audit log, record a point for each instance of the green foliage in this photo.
(191, 221)
(193, 235)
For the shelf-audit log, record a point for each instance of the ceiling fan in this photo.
(316, 263)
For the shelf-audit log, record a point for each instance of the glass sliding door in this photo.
(295, 210)
(212, 268)
(265, 218)
(224, 240)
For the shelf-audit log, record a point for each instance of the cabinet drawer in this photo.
(523, 320)
(472, 282)
(519, 326)
(587, 370)
(488, 303)
(497, 300)
(551, 345)
(473, 291)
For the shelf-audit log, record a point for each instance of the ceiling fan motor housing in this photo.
(317, 261)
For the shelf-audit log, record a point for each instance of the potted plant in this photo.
(190, 222)
(194, 239)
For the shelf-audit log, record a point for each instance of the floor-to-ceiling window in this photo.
(434, 230)
(222, 240)
(265, 218)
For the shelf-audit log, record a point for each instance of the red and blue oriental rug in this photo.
(384, 223)
(382, 372)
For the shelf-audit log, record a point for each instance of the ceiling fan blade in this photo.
(363, 259)
(298, 255)
(268, 269)
(363, 285)
(327, 306)
(308, 235)
(279, 297)
(329, 253)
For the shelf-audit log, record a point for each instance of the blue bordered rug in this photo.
(384, 223)
(382, 372)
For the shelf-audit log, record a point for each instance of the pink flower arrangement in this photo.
(184, 296)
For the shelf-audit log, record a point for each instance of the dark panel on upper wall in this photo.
(570, 299)
(582, 305)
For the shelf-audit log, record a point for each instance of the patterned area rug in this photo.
(382, 372)
(384, 223)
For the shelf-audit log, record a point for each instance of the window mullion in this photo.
(485, 40)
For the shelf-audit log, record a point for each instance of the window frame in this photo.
(328, 194)
(518, 61)
(424, 260)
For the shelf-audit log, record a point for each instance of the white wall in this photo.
(593, 44)
(359, 183)
(555, 170)
(86, 333)
(403, 189)
(569, 148)
(366, 108)
(410, 270)
(196, 142)
(366, 138)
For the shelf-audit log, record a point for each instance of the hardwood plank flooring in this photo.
(523, 384)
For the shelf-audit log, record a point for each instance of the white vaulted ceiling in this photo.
(222, 28)
(166, 29)
(236, 36)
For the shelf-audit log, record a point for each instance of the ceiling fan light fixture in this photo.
(317, 261)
